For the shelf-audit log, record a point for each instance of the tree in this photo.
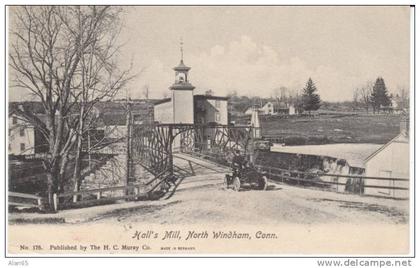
(66, 57)
(299, 104)
(356, 99)
(379, 96)
(280, 93)
(404, 98)
(311, 100)
(146, 92)
(365, 93)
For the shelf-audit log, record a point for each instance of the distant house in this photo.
(210, 110)
(112, 116)
(24, 137)
(397, 105)
(283, 108)
(274, 108)
(268, 108)
(392, 160)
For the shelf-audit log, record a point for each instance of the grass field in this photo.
(324, 129)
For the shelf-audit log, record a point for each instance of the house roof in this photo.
(210, 97)
(280, 105)
(402, 138)
(114, 113)
(182, 86)
(182, 67)
(121, 107)
(35, 107)
(163, 101)
(354, 154)
(110, 112)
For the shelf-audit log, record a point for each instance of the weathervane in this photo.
(181, 43)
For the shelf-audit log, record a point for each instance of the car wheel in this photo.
(236, 184)
(226, 182)
(262, 183)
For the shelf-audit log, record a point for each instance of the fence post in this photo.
(55, 202)
(192, 169)
(360, 186)
(39, 203)
(393, 186)
(136, 192)
(170, 156)
(336, 188)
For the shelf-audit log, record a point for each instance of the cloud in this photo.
(255, 69)
(248, 68)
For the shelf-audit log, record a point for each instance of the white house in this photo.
(21, 136)
(275, 108)
(210, 109)
(268, 108)
(24, 137)
(392, 160)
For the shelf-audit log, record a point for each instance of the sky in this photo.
(254, 50)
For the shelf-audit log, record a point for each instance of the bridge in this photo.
(160, 156)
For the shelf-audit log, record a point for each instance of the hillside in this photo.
(325, 129)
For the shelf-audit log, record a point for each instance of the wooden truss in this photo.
(152, 145)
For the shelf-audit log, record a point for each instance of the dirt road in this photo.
(303, 220)
(204, 199)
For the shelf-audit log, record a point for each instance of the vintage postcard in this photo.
(209, 130)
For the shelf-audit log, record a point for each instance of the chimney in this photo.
(405, 126)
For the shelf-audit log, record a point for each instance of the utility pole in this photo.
(255, 133)
(170, 152)
(129, 139)
(89, 153)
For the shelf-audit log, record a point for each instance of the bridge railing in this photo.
(96, 196)
(25, 200)
(392, 187)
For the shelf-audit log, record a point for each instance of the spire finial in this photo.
(181, 44)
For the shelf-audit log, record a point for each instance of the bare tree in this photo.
(365, 93)
(404, 98)
(146, 92)
(65, 56)
(280, 93)
(356, 98)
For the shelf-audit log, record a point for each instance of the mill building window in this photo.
(217, 117)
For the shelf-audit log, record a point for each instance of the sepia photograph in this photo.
(209, 130)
